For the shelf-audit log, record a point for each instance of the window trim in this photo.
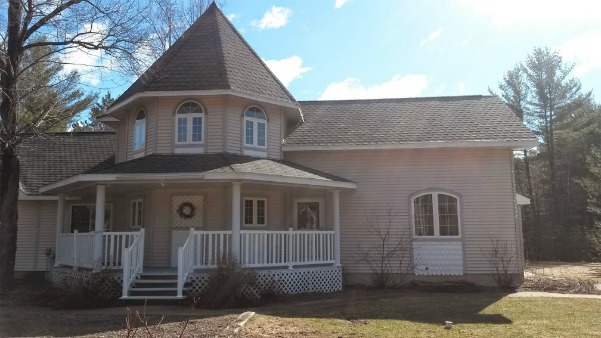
(189, 124)
(93, 206)
(255, 121)
(255, 214)
(132, 222)
(137, 123)
(436, 217)
(319, 200)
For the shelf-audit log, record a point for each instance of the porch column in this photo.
(60, 214)
(236, 219)
(336, 219)
(99, 226)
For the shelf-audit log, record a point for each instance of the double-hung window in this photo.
(189, 120)
(255, 127)
(83, 217)
(436, 214)
(255, 212)
(137, 213)
(140, 131)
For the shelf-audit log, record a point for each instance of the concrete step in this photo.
(152, 297)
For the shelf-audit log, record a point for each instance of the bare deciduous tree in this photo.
(113, 27)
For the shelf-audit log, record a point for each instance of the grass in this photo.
(416, 314)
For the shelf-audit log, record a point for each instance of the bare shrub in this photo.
(559, 279)
(79, 296)
(229, 285)
(502, 261)
(139, 323)
(389, 259)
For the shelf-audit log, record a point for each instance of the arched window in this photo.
(189, 119)
(436, 214)
(255, 127)
(140, 130)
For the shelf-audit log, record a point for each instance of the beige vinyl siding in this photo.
(386, 178)
(36, 233)
(121, 153)
(129, 129)
(214, 124)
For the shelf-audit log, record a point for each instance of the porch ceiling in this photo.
(201, 168)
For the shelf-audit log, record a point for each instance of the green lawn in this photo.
(411, 314)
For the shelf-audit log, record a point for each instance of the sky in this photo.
(355, 49)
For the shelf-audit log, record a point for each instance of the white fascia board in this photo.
(203, 93)
(108, 119)
(24, 197)
(280, 179)
(137, 178)
(516, 145)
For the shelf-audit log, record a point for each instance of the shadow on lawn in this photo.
(415, 306)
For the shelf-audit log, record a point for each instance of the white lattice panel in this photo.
(181, 222)
(295, 281)
(438, 258)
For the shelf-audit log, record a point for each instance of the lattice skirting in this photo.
(295, 281)
(108, 284)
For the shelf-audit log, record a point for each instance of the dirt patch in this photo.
(565, 270)
(261, 326)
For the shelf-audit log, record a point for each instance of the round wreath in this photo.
(186, 210)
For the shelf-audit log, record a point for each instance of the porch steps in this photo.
(156, 285)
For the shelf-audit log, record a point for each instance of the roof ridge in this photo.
(396, 99)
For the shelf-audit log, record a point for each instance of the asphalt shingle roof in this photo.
(49, 158)
(404, 121)
(211, 55)
(204, 163)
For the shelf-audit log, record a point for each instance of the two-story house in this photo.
(212, 157)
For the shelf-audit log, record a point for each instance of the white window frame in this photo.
(136, 204)
(140, 131)
(107, 206)
(255, 121)
(436, 214)
(189, 119)
(295, 202)
(255, 213)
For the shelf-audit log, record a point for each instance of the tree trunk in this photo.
(9, 193)
(529, 182)
(9, 163)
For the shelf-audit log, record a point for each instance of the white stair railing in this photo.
(185, 262)
(133, 262)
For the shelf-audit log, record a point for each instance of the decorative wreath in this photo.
(186, 210)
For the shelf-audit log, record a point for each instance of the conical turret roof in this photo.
(211, 55)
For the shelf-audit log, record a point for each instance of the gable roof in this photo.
(429, 121)
(210, 55)
(48, 158)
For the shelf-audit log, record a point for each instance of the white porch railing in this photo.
(185, 262)
(133, 262)
(77, 249)
(286, 248)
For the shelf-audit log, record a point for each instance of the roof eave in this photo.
(116, 107)
(187, 177)
(515, 145)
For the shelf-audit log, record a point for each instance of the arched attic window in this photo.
(436, 214)
(189, 120)
(140, 130)
(255, 127)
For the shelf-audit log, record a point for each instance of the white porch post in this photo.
(336, 219)
(99, 228)
(236, 219)
(60, 214)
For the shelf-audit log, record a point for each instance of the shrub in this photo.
(79, 296)
(230, 285)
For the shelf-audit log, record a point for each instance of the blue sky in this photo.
(337, 49)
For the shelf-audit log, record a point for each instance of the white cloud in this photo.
(88, 63)
(433, 36)
(398, 86)
(536, 12)
(584, 51)
(275, 17)
(232, 16)
(340, 3)
(464, 43)
(287, 70)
